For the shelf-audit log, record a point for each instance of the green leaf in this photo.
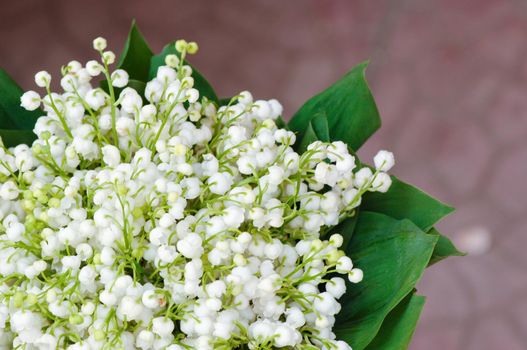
(200, 83)
(136, 55)
(399, 326)
(352, 115)
(320, 126)
(16, 123)
(280, 122)
(393, 255)
(443, 249)
(317, 130)
(12, 138)
(225, 101)
(308, 138)
(12, 115)
(346, 229)
(403, 201)
(137, 85)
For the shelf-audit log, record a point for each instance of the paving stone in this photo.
(442, 336)
(508, 186)
(507, 114)
(463, 155)
(510, 32)
(512, 247)
(479, 211)
(490, 281)
(301, 77)
(518, 319)
(16, 9)
(493, 333)
(394, 96)
(440, 283)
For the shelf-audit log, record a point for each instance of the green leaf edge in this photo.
(12, 115)
(136, 55)
(443, 249)
(399, 326)
(299, 121)
(341, 323)
(13, 138)
(412, 209)
(200, 83)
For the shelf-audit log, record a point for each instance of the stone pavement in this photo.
(450, 78)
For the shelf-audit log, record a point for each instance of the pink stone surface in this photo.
(450, 78)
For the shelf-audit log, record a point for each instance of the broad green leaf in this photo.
(403, 201)
(346, 229)
(136, 55)
(137, 85)
(16, 123)
(393, 255)
(200, 83)
(352, 115)
(399, 326)
(12, 138)
(320, 126)
(317, 130)
(225, 101)
(12, 115)
(308, 138)
(443, 249)
(280, 122)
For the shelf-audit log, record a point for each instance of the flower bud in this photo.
(99, 43)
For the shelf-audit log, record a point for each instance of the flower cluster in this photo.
(160, 220)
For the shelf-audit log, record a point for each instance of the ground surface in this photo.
(450, 78)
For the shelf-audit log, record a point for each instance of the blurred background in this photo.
(450, 79)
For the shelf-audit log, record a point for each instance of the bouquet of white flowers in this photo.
(143, 212)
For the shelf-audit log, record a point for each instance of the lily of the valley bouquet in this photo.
(139, 211)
